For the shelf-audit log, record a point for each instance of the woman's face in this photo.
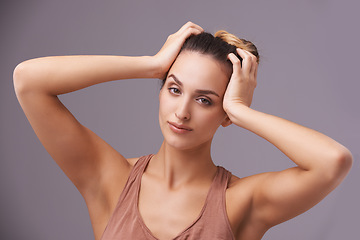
(191, 100)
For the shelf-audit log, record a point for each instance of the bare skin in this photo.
(177, 186)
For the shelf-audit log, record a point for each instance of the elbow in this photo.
(344, 160)
(341, 164)
(20, 78)
(24, 76)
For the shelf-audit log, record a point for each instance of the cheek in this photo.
(209, 121)
(166, 104)
(161, 109)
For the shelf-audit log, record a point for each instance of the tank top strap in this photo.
(214, 217)
(124, 214)
(216, 195)
(139, 167)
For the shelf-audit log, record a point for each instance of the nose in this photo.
(183, 110)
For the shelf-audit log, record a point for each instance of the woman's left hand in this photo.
(242, 83)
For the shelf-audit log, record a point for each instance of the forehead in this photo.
(199, 70)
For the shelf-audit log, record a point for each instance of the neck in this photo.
(178, 167)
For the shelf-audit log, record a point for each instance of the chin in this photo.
(185, 144)
(177, 143)
(180, 146)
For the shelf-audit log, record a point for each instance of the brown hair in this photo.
(237, 42)
(218, 46)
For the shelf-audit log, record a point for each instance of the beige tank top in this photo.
(212, 223)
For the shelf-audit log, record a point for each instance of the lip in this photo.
(179, 128)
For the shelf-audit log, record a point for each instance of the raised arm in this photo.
(322, 163)
(97, 170)
(37, 84)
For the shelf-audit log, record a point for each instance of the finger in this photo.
(189, 25)
(183, 27)
(246, 59)
(256, 70)
(254, 67)
(254, 63)
(250, 63)
(193, 25)
(190, 31)
(235, 62)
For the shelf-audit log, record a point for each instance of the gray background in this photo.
(308, 74)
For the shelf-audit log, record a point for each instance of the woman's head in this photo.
(191, 99)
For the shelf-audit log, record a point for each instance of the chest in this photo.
(168, 213)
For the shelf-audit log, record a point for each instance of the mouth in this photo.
(179, 128)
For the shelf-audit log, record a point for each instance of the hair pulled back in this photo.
(218, 46)
(232, 40)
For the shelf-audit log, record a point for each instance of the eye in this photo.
(174, 90)
(204, 101)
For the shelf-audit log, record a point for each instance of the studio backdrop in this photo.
(308, 74)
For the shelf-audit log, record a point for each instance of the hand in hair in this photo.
(171, 48)
(242, 83)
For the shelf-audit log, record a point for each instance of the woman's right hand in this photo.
(169, 51)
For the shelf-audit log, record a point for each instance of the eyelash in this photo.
(201, 100)
(205, 101)
(171, 90)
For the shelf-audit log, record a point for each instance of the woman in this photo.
(179, 193)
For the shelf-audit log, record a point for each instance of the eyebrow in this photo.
(200, 91)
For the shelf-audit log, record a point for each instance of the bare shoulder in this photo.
(132, 161)
(247, 183)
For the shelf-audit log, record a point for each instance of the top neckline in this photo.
(141, 220)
